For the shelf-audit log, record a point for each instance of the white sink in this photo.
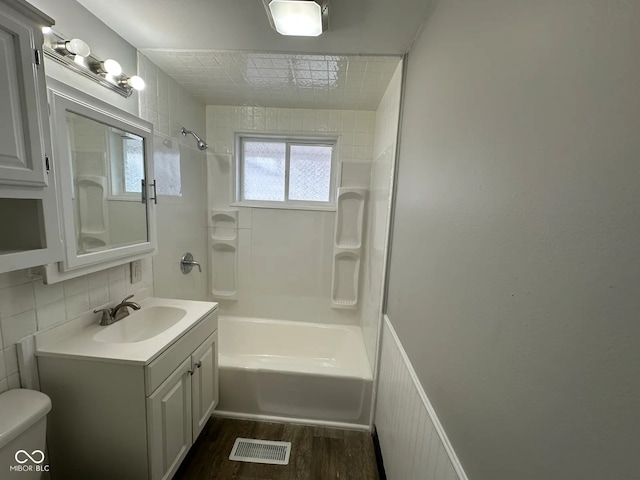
(141, 325)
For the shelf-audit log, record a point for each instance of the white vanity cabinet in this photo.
(131, 421)
(28, 208)
(23, 100)
(179, 408)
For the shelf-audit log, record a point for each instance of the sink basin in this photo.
(141, 325)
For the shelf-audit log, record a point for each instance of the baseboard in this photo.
(296, 421)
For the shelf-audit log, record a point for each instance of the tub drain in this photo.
(260, 451)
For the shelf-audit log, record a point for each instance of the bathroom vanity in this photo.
(129, 399)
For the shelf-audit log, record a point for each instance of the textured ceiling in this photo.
(279, 79)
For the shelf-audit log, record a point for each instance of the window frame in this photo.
(287, 204)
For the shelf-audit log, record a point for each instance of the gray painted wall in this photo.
(515, 267)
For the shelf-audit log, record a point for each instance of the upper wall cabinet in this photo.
(104, 171)
(23, 103)
(28, 209)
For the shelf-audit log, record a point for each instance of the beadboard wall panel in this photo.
(413, 443)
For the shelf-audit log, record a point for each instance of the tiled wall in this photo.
(27, 305)
(180, 213)
(413, 443)
(285, 256)
(386, 131)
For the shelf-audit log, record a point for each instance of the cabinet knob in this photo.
(191, 372)
(199, 364)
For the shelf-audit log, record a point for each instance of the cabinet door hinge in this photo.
(37, 56)
(46, 163)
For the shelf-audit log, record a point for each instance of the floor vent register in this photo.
(260, 451)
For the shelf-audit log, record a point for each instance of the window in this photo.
(133, 164)
(281, 172)
(126, 165)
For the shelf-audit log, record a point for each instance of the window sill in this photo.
(285, 206)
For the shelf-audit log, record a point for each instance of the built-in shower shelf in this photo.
(347, 248)
(223, 248)
(224, 224)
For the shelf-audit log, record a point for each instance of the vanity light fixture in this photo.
(302, 18)
(75, 54)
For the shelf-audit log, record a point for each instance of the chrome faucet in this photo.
(112, 315)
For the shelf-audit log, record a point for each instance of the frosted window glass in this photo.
(310, 173)
(133, 165)
(264, 167)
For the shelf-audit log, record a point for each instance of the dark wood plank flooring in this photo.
(317, 453)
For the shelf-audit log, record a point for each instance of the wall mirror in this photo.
(104, 173)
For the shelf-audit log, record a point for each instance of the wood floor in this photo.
(316, 453)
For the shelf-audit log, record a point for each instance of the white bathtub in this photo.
(275, 369)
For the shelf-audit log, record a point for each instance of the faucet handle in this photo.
(126, 298)
(106, 315)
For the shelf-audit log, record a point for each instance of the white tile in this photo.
(3, 369)
(13, 381)
(11, 360)
(17, 277)
(98, 279)
(77, 304)
(18, 326)
(16, 299)
(51, 314)
(75, 286)
(117, 290)
(46, 294)
(98, 296)
(116, 273)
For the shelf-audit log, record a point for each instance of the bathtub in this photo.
(279, 370)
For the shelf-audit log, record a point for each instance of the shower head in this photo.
(202, 145)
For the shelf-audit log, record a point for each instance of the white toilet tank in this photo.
(23, 427)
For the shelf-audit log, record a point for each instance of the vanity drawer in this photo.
(157, 371)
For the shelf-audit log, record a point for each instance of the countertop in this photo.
(75, 339)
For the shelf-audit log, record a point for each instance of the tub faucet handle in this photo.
(187, 263)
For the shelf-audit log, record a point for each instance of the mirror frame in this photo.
(63, 98)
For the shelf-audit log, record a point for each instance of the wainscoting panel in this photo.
(414, 445)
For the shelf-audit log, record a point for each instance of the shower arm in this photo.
(202, 145)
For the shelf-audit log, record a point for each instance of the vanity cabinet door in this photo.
(169, 423)
(23, 103)
(204, 383)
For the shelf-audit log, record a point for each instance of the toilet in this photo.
(23, 426)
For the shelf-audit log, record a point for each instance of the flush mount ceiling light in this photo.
(302, 18)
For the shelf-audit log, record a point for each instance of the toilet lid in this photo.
(19, 410)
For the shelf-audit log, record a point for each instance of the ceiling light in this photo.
(304, 18)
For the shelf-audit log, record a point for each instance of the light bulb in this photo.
(112, 67)
(75, 46)
(46, 30)
(136, 82)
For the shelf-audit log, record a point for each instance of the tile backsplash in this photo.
(27, 305)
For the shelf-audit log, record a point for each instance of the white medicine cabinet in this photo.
(106, 190)
(28, 211)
